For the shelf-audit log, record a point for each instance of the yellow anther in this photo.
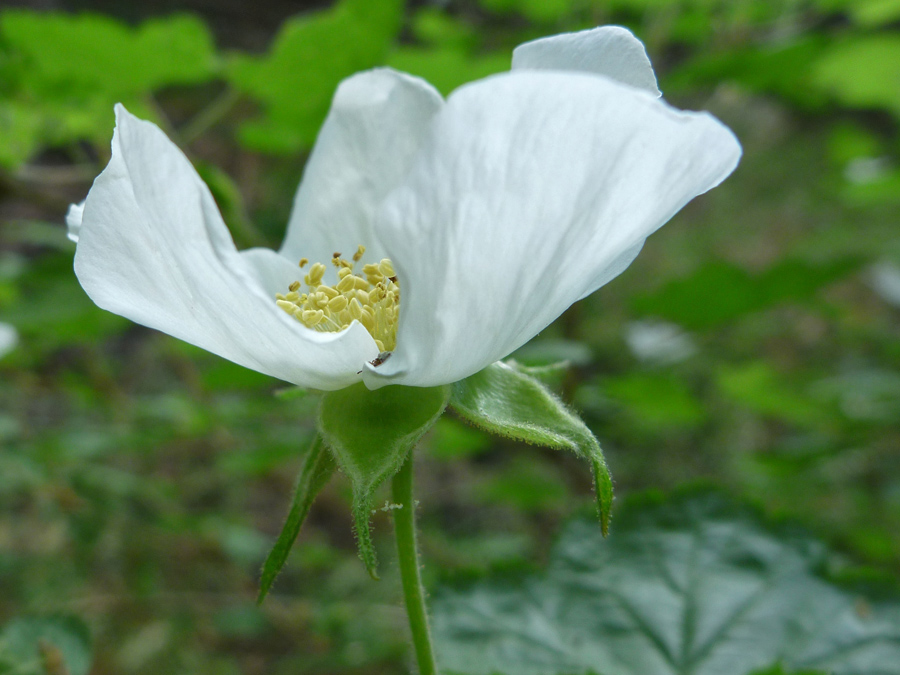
(355, 309)
(346, 283)
(337, 304)
(314, 277)
(311, 317)
(386, 267)
(288, 307)
(372, 298)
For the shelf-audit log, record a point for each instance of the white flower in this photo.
(659, 342)
(9, 338)
(499, 207)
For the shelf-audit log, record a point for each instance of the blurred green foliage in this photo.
(142, 481)
(690, 584)
(295, 81)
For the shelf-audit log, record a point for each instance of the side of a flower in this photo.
(475, 221)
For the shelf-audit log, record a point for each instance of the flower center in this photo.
(372, 298)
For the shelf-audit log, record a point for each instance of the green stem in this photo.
(408, 557)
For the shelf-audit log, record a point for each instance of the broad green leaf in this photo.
(41, 645)
(873, 13)
(96, 52)
(20, 133)
(721, 292)
(452, 440)
(510, 403)
(884, 188)
(371, 433)
(655, 402)
(863, 73)
(694, 584)
(312, 53)
(782, 68)
(539, 11)
(780, 669)
(65, 72)
(530, 484)
(760, 388)
(447, 67)
(434, 26)
(315, 473)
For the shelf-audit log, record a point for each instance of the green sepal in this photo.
(370, 434)
(504, 400)
(316, 471)
(550, 375)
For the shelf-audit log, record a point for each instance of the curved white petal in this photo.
(153, 248)
(73, 221)
(376, 124)
(533, 189)
(612, 51)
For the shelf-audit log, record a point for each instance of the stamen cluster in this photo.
(372, 298)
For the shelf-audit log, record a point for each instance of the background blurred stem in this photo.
(210, 115)
(408, 557)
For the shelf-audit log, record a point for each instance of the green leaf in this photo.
(759, 387)
(42, 645)
(720, 292)
(371, 433)
(447, 67)
(312, 53)
(872, 13)
(65, 72)
(781, 67)
(96, 52)
(508, 402)
(315, 473)
(863, 73)
(691, 584)
(655, 403)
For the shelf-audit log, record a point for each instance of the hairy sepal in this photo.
(315, 473)
(505, 400)
(370, 434)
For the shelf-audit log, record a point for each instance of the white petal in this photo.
(612, 51)
(534, 189)
(9, 338)
(153, 248)
(73, 220)
(377, 122)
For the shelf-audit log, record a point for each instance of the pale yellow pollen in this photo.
(338, 303)
(371, 297)
(386, 267)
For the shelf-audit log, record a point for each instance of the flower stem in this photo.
(408, 556)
